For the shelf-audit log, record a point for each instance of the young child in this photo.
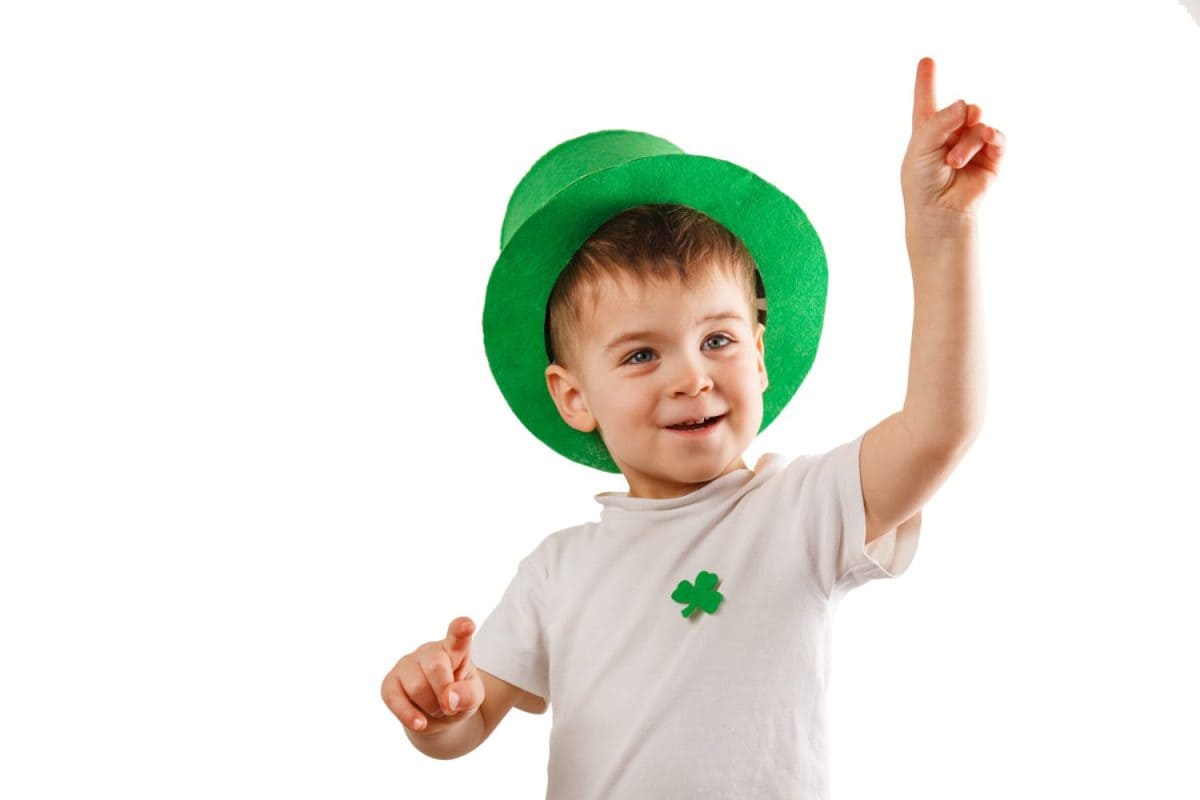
(684, 637)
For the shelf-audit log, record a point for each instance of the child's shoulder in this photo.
(557, 540)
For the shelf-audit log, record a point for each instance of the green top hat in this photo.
(579, 185)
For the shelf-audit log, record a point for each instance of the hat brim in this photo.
(778, 234)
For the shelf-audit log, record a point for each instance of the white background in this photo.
(251, 452)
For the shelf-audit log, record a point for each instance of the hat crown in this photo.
(572, 160)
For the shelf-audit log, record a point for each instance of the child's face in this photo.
(678, 367)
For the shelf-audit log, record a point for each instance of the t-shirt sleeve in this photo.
(511, 643)
(828, 489)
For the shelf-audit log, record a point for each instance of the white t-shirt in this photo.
(648, 703)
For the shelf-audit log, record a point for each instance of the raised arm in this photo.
(951, 159)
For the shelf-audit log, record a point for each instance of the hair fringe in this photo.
(653, 242)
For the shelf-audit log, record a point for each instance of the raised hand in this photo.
(952, 157)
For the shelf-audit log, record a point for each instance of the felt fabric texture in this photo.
(574, 189)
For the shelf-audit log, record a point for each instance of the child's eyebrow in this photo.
(624, 337)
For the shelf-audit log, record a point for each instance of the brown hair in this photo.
(651, 242)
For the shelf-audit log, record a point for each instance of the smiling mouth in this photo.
(705, 423)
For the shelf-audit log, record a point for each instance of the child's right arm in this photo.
(417, 691)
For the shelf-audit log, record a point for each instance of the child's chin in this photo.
(696, 470)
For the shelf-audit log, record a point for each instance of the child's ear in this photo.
(762, 363)
(565, 389)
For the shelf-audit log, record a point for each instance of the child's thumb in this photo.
(463, 696)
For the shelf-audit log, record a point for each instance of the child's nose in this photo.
(691, 376)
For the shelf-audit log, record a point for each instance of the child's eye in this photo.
(633, 357)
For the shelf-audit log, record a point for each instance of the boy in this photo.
(684, 637)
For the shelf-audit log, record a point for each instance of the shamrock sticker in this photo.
(703, 595)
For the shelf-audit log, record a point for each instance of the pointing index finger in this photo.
(458, 639)
(924, 99)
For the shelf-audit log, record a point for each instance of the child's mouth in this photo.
(705, 424)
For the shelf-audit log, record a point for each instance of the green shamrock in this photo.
(703, 595)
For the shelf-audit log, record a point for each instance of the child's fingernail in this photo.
(453, 701)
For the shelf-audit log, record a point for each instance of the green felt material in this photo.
(701, 595)
(580, 184)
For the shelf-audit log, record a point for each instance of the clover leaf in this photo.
(702, 595)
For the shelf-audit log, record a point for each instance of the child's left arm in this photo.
(907, 456)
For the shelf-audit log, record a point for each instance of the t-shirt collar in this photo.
(620, 503)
